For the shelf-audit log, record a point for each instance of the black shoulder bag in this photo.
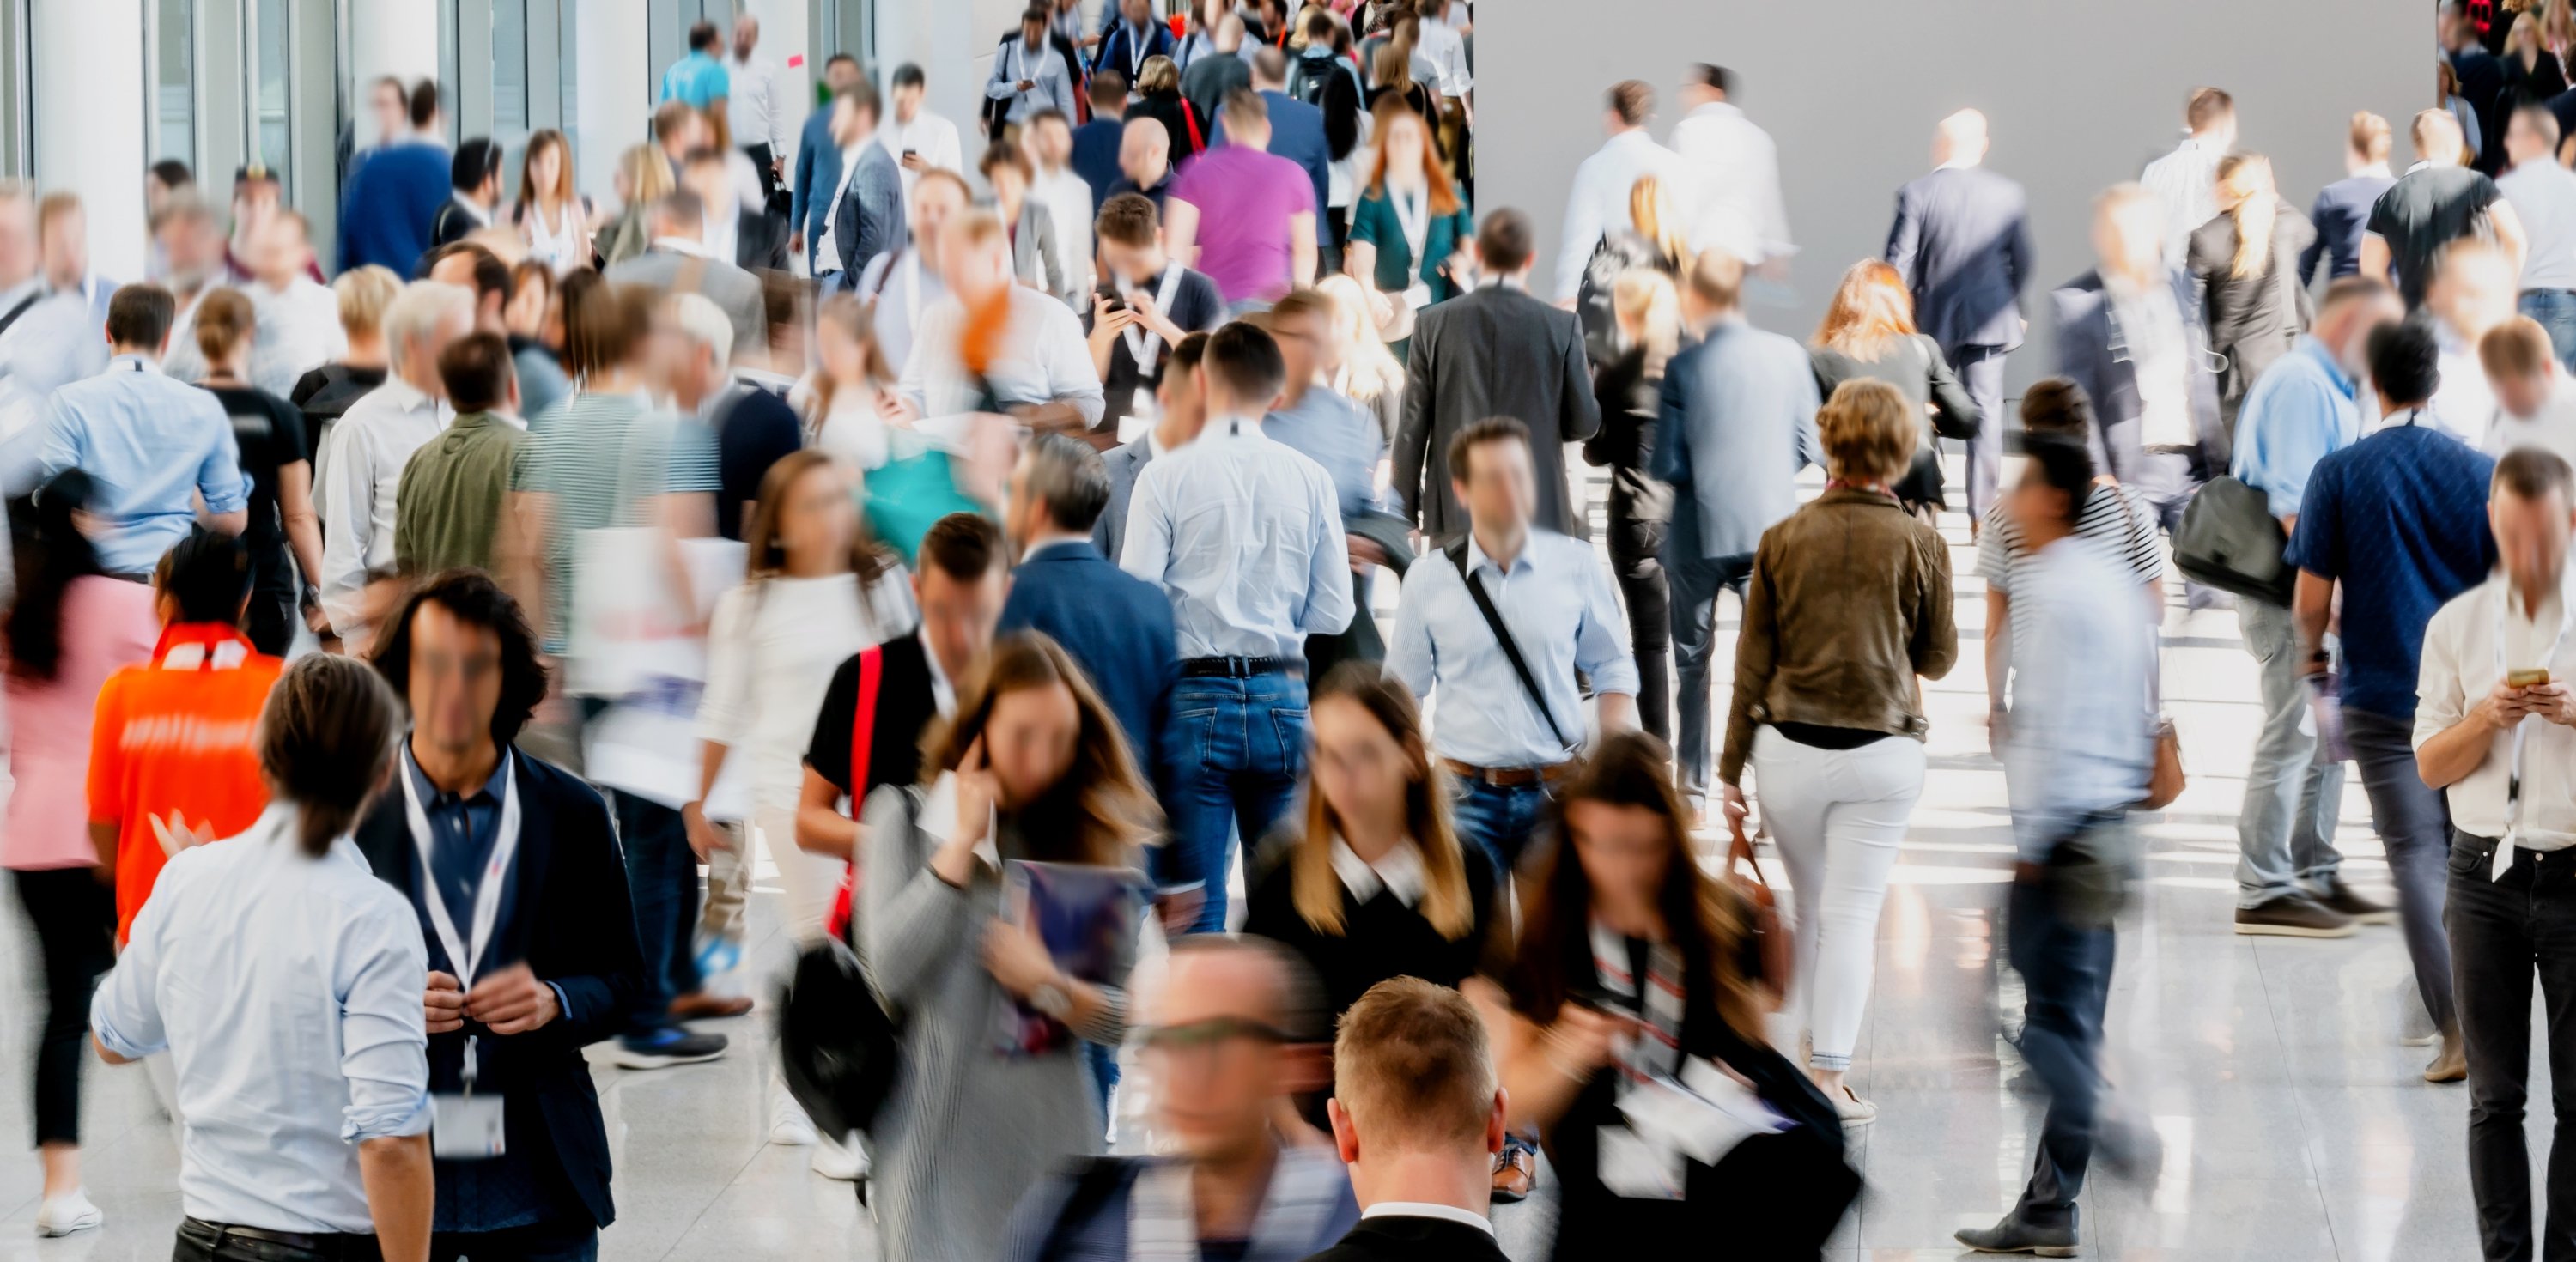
(1503, 636)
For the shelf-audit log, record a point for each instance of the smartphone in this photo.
(912, 153)
(2526, 678)
(1117, 304)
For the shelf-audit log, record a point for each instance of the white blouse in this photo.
(771, 651)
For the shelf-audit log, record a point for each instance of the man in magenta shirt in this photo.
(1244, 216)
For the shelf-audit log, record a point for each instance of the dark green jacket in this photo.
(447, 510)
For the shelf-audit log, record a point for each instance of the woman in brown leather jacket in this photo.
(1849, 603)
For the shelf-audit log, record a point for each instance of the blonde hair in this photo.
(2370, 131)
(1413, 1069)
(1373, 372)
(648, 175)
(1646, 298)
(1868, 432)
(2247, 178)
(1650, 205)
(364, 293)
(1313, 886)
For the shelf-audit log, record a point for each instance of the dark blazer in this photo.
(818, 172)
(569, 920)
(1118, 51)
(1125, 461)
(1394, 1239)
(870, 219)
(1095, 155)
(2091, 350)
(1961, 240)
(1493, 352)
(760, 241)
(1118, 626)
(2258, 319)
(1297, 134)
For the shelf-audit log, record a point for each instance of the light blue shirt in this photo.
(1556, 599)
(1245, 535)
(151, 444)
(1338, 434)
(2303, 409)
(2082, 740)
(286, 990)
(60, 340)
(696, 79)
(1051, 85)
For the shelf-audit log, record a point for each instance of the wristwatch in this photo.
(1053, 999)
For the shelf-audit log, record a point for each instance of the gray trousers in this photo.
(2285, 829)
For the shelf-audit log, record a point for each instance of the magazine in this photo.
(1087, 916)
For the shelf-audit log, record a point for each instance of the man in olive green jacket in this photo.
(449, 505)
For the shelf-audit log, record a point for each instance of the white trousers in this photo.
(1838, 817)
(807, 882)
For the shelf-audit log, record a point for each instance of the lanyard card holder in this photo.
(464, 1126)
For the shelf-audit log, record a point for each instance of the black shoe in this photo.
(2294, 916)
(676, 1045)
(2340, 897)
(2012, 1235)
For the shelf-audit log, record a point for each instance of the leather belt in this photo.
(2173, 449)
(1238, 667)
(349, 1247)
(1510, 777)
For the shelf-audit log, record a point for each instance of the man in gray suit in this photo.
(677, 262)
(1961, 240)
(1738, 422)
(867, 216)
(1184, 413)
(1495, 351)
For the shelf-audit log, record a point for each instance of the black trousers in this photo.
(2504, 932)
(763, 161)
(209, 1242)
(565, 1240)
(75, 918)
(2063, 952)
(1636, 560)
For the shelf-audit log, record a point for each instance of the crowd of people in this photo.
(406, 674)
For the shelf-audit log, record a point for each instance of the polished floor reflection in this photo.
(2290, 1123)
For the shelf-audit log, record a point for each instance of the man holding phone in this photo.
(2398, 522)
(2497, 733)
(1144, 306)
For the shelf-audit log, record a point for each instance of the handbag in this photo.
(837, 1045)
(2231, 541)
(1946, 423)
(1767, 941)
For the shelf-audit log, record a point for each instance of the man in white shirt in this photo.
(1733, 203)
(364, 455)
(1599, 203)
(2186, 180)
(1444, 48)
(753, 110)
(299, 319)
(1245, 534)
(2472, 293)
(919, 139)
(1048, 140)
(2543, 196)
(2495, 729)
(2535, 398)
(192, 246)
(1041, 366)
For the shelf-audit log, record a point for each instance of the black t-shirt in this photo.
(270, 433)
(2425, 211)
(906, 704)
(1196, 307)
(754, 432)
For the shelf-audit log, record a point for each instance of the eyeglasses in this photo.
(1201, 1036)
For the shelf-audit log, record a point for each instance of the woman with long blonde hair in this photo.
(2530, 68)
(1629, 391)
(643, 178)
(1370, 374)
(2247, 262)
(1654, 241)
(1868, 334)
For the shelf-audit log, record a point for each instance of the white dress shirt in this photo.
(1599, 204)
(2552, 429)
(287, 991)
(1067, 198)
(1245, 534)
(2463, 404)
(2186, 181)
(751, 104)
(1424, 1209)
(368, 450)
(1733, 203)
(2459, 668)
(2543, 195)
(1558, 602)
(299, 331)
(928, 134)
(1044, 359)
(1398, 871)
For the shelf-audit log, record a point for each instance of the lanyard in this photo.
(1143, 344)
(465, 958)
(1136, 45)
(2522, 727)
(1413, 214)
(1658, 996)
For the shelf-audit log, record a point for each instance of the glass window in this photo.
(568, 91)
(510, 83)
(447, 79)
(276, 67)
(175, 84)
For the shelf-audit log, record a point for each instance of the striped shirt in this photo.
(600, 457)
(2118, 522)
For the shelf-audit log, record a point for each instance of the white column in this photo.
(783, 38)
(614, 77)
(952, 41)
(389, 37)
(88, 99)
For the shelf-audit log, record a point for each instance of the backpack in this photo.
(1308, 77)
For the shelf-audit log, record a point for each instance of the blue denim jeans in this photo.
(1238, 748)
(2065, 966)
(1501, 820)
(2555, 309)
(2285, 828)
(662, 878)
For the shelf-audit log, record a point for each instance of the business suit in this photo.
(870, 218)
(1116, 626)
(1123, 50)
(1395, 1238)
(1961, 240)
(2092, 350)
(1095, 155)
(2255, 320)
(818, 173)
(732, 289)
(1735, 423)
(1125, 461)
(1493, 352)
(565, 914)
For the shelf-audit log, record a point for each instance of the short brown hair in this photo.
(1244, 108)
(1246, 358)
(224, 318)
(1127, 219)
(962, 546)
(1633, 100)
(1504, 242)
(998, 156)
(1298, 302)
(604, 324)
(1868, 432)
(2429, 130)
(2056, 405)
(2207, 106)
(2519, 347)
(476, 370)
(1412, 1068)
(141, 315)
(1108, 88)
(2370, 136)
(2531, 473)
(1492, 429)
(1718, 278)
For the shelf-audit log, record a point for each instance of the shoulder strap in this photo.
(1503, 636)
(1191, 117)
(21, 309)
(863, 723)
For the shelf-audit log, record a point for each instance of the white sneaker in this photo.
(787, 1122)
(839, 1159)
(62, 1215)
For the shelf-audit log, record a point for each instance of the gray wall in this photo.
(2081, 93)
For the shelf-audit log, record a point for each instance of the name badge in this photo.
(465, 1127)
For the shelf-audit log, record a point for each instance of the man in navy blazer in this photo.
(1096, 143)
(561, 969)
(818, 163)
(1736, 424)
(1961, 240)
(1296, 128)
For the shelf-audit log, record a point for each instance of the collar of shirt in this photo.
(482, 218)
(2547, 615)
(434, 798)
(1501, 282)
(1477, 560)
(1399, 871)
(942, 692)
(681, 245)
(1716, 109)
(1959, 164)
(1425, 1209)
(2342, 381)
(134, 363)
(200, 646)
(1059, 543)
(403, 396)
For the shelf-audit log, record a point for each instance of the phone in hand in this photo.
(912, 153)
(2526, 678)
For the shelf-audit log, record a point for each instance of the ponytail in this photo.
(326, 739)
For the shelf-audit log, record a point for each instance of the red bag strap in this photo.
(1191, 117)
(863, 726)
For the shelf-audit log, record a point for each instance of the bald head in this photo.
(1960, 139)
(1145, 151)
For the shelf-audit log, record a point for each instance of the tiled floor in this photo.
(2292, 1123)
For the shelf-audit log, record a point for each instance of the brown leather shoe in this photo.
(2452, 1064)
(1515, 1169)
(702, 1005)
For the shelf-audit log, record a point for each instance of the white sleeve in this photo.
(725, 708)
(347, 521)
(1582, 232)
